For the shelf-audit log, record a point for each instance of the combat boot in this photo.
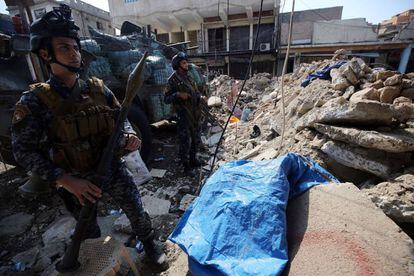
(155, 253)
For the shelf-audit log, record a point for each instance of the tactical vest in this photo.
(192, 106)
(80, 127)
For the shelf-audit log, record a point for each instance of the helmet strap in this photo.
(54, 60)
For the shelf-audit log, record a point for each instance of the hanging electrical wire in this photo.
(282, 136)
(238, 95)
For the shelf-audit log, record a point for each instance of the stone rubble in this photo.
(360, 123)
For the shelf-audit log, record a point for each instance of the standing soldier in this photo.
(182, 92)
(75, 119)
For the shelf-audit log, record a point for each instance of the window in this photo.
(99, 25)
(217, 40)
(39, 12)
(239, 38)
(130, 1)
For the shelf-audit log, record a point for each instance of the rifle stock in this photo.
(70, 261)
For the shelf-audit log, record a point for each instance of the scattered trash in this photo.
(137, 167)
(158, 159)
(234, 119)
(19, 267)
(256, 132)
(139, 247)
(115, 212)
(245, 114)
(158, 173)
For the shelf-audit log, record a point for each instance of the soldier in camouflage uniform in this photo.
(183, 93)
(74, 119)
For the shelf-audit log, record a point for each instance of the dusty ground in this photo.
(47, 209)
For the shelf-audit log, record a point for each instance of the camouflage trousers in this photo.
(124, 192)
(189, 141)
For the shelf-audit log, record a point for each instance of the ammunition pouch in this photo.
(79, 134)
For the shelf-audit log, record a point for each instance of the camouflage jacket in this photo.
(31, 121)
(187, 109)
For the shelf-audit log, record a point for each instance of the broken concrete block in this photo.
(358, 158)
(215, 129)
(28, 258)
(349, 92)
(403, 111)
(402, 100)
(383, 75)
(355, 65)
(16, 224)
(395, 197)
(340, 111)
(349, 74)
(394, 80)
(336, 230)
(59, 230)
(214, 101)
(396, 141)
(389, 93)
(408, 92)
(251, 153)
(338, 82)
(156, 206)
(378, 84)
(214, 139)
(186, 201)
(365, 94)
(406, 83)
(158, 173)
(266, 155)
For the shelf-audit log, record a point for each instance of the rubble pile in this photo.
(359, 124)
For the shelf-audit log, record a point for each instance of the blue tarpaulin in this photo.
(237, 226)
(322, 74)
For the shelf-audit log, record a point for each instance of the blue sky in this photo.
(373, 10)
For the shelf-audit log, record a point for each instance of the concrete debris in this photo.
(158, 173)
(397, 141)
(186, 201)
(389, 93)
(393, 80)
(384, 74)
(156, 206)
(340, 111)
(59, 231)
(359, 124)
(214, 102)
(214, 139)
(372, 161)
(365, 94)
(395, 197)
(336, 230)
(28, 258)
(16, 224)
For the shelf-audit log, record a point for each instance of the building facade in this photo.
(84, 14)
(221, 34)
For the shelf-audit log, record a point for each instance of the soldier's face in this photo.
(184, 65)
(67, 51)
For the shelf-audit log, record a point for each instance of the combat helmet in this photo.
(56, 23)
(175, 62)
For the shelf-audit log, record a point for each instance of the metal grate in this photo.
(101, 256)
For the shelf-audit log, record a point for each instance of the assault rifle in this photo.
(70, 261)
